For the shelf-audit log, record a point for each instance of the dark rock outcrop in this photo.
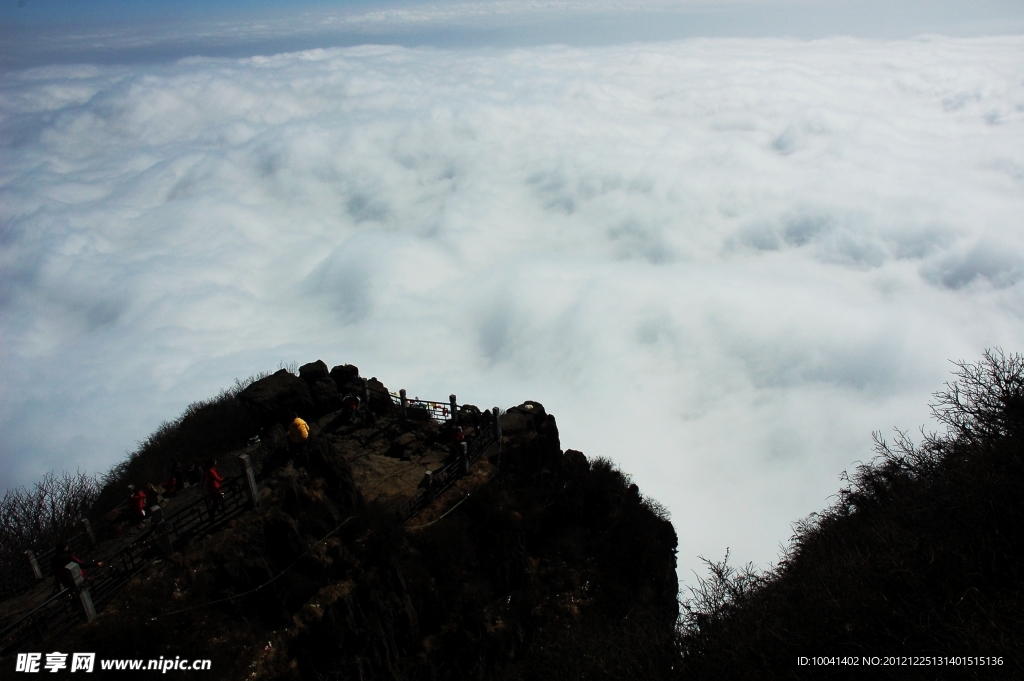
(346, 378)
(325, 393)
(380, 399)
(310, 395)
(272, 399)
(314, 372)
(555, 569)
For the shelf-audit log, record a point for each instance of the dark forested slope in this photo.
(920, 557)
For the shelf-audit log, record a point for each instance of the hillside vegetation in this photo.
(920, 555)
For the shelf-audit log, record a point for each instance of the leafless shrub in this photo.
(34, 519)
(30, 518)
(292, 367)
(656, 507)
(714, 597)
(987, 399)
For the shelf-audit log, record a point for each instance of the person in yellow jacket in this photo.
(298, 430)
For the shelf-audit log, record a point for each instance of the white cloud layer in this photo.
(721, 263)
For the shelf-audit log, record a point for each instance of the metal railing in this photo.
(51, 618)
(438, 481)
(59, 613)
(436, 411)
(412, 408)
(21, 577)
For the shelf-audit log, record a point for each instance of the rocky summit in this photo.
(529, 562)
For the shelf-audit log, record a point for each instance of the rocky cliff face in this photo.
(539, 564)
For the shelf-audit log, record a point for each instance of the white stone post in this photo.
(161, 533)
(250, 479)
(34, 565)
(73, 577)
(428, 485)
(87, 526)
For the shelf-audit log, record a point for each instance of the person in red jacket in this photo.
(458, 437)
(61, 557)
(212, 481)
(136, 502)
(172, 484)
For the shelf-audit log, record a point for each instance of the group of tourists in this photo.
(141, 501)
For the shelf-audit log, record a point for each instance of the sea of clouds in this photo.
(720, 263)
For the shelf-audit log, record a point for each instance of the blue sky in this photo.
(721, 242)
(67, 31)
(909, 16)
(57, 12)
